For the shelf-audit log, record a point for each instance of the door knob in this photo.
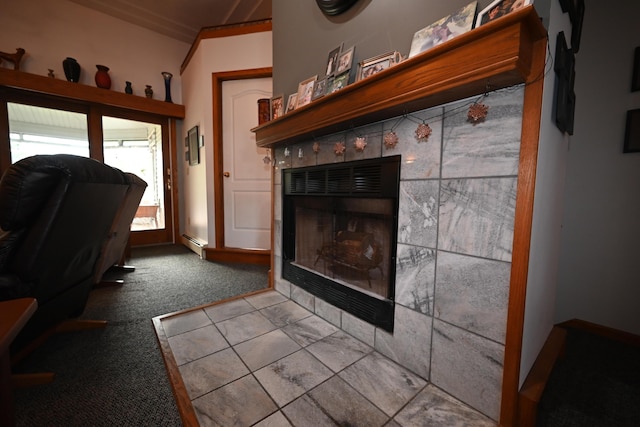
(226, 174)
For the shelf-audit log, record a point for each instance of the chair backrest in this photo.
(55, 214)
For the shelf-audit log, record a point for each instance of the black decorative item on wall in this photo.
(335, 7)
(575, 9)
(193, 146)
(564, 97)
(632, 132)
(635, 77)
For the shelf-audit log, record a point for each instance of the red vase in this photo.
(103, 79)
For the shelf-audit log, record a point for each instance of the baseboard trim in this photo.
(533, 386)
(244, 256)
(603, 331)
(193, 244)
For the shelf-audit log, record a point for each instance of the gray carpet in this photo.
(115, 376)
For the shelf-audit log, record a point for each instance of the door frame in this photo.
(221, 252)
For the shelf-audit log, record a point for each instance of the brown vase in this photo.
(103, 79)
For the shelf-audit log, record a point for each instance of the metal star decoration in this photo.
(339, 148)
(477, 113)
(390, 139)
(423, 131)
(360, 144)
(316, 147)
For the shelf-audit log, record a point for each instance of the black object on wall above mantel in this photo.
(575, 8)
(335, 7)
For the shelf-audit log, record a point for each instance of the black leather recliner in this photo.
(55, 215)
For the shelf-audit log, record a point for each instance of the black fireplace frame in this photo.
(377, 178)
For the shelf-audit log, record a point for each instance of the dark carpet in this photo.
(115, 376)
(595, 384)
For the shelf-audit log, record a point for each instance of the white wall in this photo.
(52, 30)
(242, 52)
(547, 211)
(599, 278)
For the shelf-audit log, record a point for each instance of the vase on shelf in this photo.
(167, 85)
(71, 69)
(103, 80)
(148, 92)
(127, 88)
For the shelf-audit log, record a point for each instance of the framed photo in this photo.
(291, 102)
(339, 82)
(332, 61)
(319, 89)
(499, 8)
(635, 78)
(305, 90)
(632, 132)
(277, 107)
(194, 146)
(344, 61)
(444, 29)
(374, 65)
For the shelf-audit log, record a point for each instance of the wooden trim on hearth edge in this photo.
(536, 381)
(244, 256)
(225, 31)
(532, 110)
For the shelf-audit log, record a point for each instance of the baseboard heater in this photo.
(194, 245)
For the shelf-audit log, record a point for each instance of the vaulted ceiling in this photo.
(182, 19)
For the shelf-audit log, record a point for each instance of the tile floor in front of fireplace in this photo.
(264, 360)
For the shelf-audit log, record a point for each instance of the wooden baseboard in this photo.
(603, 331)
(244, 256)
(531, 391)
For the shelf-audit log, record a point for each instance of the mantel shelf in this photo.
(77, 91)
(493, 56)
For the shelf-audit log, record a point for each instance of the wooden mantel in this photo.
(493, 56)
(78, 91)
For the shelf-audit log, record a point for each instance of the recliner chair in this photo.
(55, 215)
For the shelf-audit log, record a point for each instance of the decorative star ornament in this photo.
(339, 148)
(423, 131)
(287, 152)
(316, 147)
(360, 144)
(266, 160)
(390, 140)
(477, 113)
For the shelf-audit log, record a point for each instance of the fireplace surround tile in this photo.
(328, 312)
(468, 367)
(476, 217)
(339, 350)
(418, 213)
(415, 277)
(303, 298)
(360, 329)
(472, 293)
(373, 137)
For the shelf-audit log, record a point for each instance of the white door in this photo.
(247, 178)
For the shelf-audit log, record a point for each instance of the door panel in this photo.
(247, 178)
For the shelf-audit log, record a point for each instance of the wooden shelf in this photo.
(493, 56)
(77, 91)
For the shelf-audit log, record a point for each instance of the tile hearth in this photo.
(264, 360)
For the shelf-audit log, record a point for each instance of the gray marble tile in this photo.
(415, 277)
(420, 158)
(185, 322)
(283, 159)
(360, 329)
(285, 313)
(267, 348)
(385, 383)
(418, 213)
(228, 310)
(410, 344)
(339, 350)
(328, 312)
(433, 408)
(473, 294)
(326, 145)
(372, 135)
(292, 376)
(274, 420)
(476, 217)
(245, 327)
(333, 403)
(302, 155)
(488, 148)
(303, 298)
(210, 372)
(240, 403)
(277, 244)
(309, 330)
(283, 286)
(277, 202)
(265, 299)
(195, 344)
(476, 362)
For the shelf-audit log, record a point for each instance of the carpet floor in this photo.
(116, 376)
